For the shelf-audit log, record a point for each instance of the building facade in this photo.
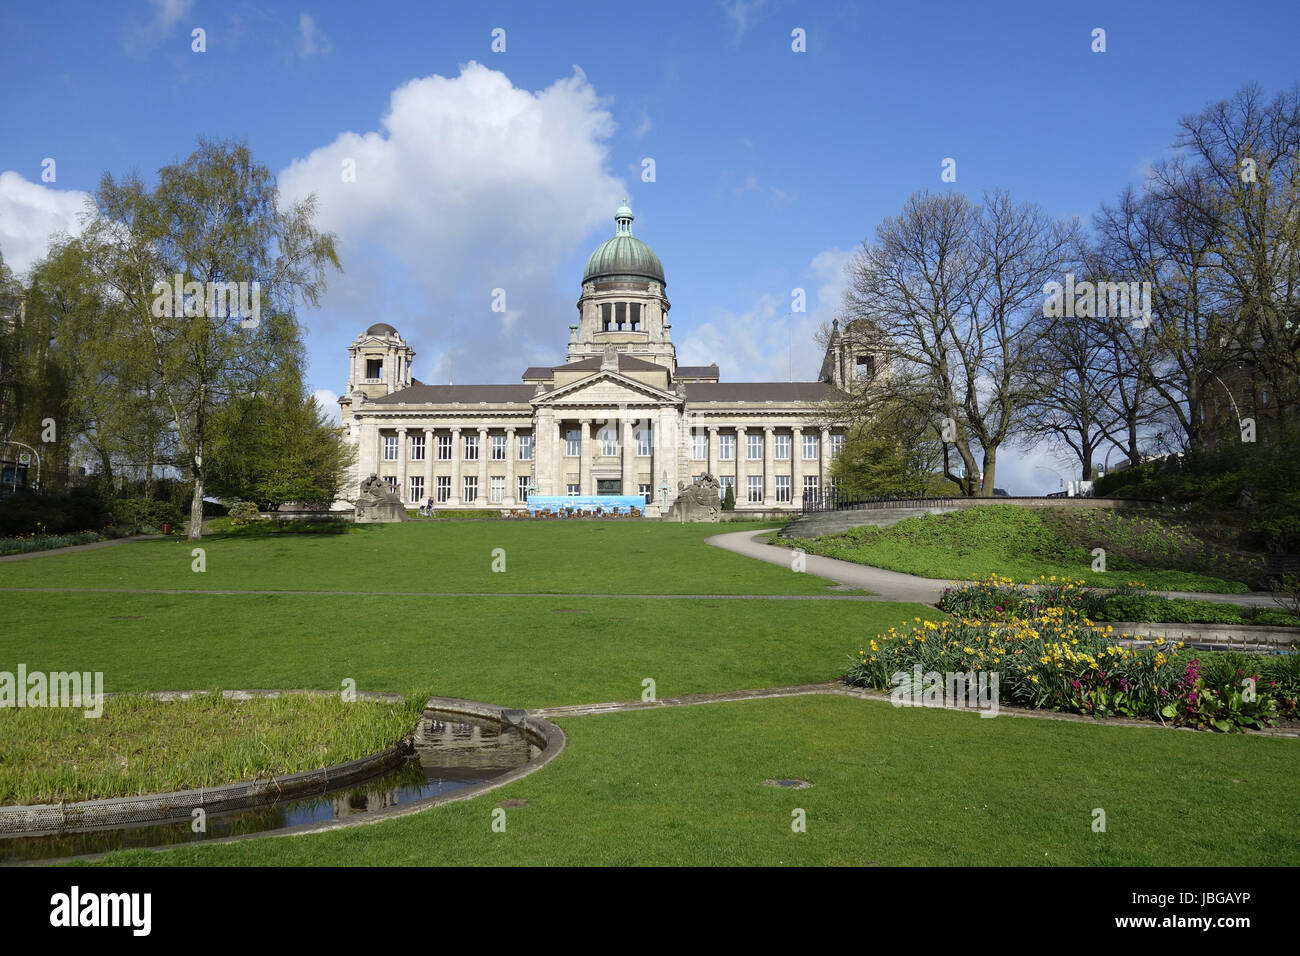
(618, 416)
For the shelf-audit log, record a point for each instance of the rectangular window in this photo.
(644, 492)
(606, 311)
(522, 494)
(755, 489)
(417, 448)
(573, 443)
(635, 316)
(837, 445)
(609, 442)
(444, 488)
(390, 448)
(497, 489)
(810, 483)
(374, 370)
(391, 481)
(444, 448)
(809, 447)
(727, 481)
(726, 447)
(498, 447)
(699, 447)
(755, 443)
(783, 488)
(644, 442)
(471, 489)
(525, 447)
(620, 315)
(573, 490)
(781, 447)
(471, 448)
(417, 489)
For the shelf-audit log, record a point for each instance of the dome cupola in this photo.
(624, 255)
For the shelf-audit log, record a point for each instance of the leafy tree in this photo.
(894, 453)
(282, 448)
(729, 499)
(212, 220)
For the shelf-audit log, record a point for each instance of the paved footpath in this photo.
(895, 586)
(82, 547)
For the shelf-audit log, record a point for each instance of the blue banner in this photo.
(608, 504)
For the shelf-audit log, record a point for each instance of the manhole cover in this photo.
(795, 784)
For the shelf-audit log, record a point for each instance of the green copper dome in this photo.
(624, 255)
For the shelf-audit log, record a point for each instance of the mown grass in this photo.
(560, 557)
(683, 786)
(1026, 543)
(516, 652)
(144, 745)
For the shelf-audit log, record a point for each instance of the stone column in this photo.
(796, 466)
(769, 468)
(584, 459)
(511, 452)
(824, 458)
(482, 467)
(742, 468)
(429, 453)
(713, 451)
(403, 453)
(457, 453)
(628, 449)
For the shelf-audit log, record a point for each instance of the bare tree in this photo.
(954, 287)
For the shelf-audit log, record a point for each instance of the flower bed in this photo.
(1048, 655)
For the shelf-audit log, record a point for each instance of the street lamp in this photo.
(1055, 472)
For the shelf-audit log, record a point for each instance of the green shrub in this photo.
(1270, 617)
(243, 512)
(146, 514)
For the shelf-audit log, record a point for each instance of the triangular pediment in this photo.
(606, 388)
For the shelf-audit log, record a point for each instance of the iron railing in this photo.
(833, 500)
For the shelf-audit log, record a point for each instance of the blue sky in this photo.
(479, 170)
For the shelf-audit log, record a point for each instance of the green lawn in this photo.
(1025, 543)
(559, 557)
(145, 745)
(665, 786)
(890, 787)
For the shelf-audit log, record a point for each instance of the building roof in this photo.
(759, 391)
(381, 328)
(465, 394)
(626, 363)
(624, 255)
(697, 371)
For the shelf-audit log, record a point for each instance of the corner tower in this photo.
(623, 302)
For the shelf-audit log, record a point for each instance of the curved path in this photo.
(896, 586)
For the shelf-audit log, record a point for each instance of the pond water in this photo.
(452, 752)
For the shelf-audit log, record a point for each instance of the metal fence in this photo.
(833, 500)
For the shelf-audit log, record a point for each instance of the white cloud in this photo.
(137, 35)
(768, 343)
(311, 41)
(472, 184)
(328, 402)
(740, 15)
(643, 126)
(749, 185)
(31, 215)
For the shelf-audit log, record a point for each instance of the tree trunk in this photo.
(990, 472)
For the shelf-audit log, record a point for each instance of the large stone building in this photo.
(618, 416)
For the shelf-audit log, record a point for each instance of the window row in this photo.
(620, 317)
(754, 447)
(497, 447)
(469, 488)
